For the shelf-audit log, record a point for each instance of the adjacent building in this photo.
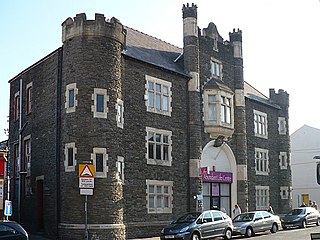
(305, 155)
(168, 130)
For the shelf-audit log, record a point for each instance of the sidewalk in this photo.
(39, 237)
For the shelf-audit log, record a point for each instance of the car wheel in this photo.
(274, 228)
(249, 232)
(303, 224)
(195, 236)
(228, 234)
(318, 222)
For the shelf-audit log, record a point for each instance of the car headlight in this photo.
(184, 229)
(162, 231)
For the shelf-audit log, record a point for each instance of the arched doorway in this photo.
(219, 177)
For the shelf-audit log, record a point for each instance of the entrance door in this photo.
(39, 204)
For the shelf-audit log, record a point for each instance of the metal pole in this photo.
(20, 152)
(8, 191)
(86, 235)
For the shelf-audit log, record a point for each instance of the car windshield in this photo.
(244, 217)
(297, 211)
(187, 218)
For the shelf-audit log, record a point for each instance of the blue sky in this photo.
(281, 40)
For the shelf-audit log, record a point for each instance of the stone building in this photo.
(168, 130)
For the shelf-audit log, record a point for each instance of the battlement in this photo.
(282, 97)
(235, 36)
(80, 26)
(189, 11)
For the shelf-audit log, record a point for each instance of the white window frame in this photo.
(260, 124)
(120, 169)
(261, 162)
(29, 98)
(27, 153)
(218, 95)
(216, 68)
(69, 87)
(262, 197)
(96, 92)
(66, 155)
(284, 192)
(161, 132)
(282, 125)
(119, 116)
(16, 106)
(153, 94)
(161, 196)
(102, 151)
(283, 160)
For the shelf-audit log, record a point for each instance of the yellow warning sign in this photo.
(86, 170)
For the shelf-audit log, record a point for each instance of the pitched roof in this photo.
(154, 51)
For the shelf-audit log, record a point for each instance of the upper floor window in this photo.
(120, 110)
(29, 98)
(159, 196)
(120, 169)
(282, 125)
(99, 158)
(27, 155)
(16, 106)
(262, 161)
(158, 94)
(225, 110)
(159, 146)
(260, 124)
(262, 197)
(284, 192)
(70, 162)
(100, 99)
(71, 97)
(216, 68)
(283, 161)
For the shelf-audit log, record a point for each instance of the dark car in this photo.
(249, 223)
(13, 231)
(196, 225)
(301, 217)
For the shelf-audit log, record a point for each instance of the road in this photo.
(292, 234)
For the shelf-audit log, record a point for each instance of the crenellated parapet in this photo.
(80, 27)
(281, 98)
(235, 36)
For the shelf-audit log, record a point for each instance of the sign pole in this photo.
(86, 235)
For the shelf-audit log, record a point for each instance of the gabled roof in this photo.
(154, 51)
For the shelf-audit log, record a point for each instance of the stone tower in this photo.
(240, 119)
(91, 71)
(191, 65)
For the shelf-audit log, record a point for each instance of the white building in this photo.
(305, 149)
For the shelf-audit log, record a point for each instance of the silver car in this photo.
(249, 223)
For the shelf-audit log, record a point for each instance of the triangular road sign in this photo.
(86, 172)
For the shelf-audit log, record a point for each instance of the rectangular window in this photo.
(159, 95)
(282, 125)
(261, 161)
(99, 158)
(120, 169)
(225, 110)
(70, 162)
(16, 108)
(283, 160)
(158, 147)
(71, 97)
(284, 192)
(215, 69)
(212, 107)
(100, 99)
(29, 98)
(159, 196)
(16, 164)
(120, 110)
(262, 197)
(27, 156)
(260, 124)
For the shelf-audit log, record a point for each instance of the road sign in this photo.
(7, 208)
(86, 170)
(84, 191)
(86, 182)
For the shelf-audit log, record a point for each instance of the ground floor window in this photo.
(262, 197)
(217, 195)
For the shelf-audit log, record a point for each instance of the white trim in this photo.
(99, 91)
(283, 158)
(120, 164)
(68, 88)
(119, 115)
(282, 126)
(66, 147)
(257, 131)
(264, 198)
(284, 189)
(261, 151)
(105, 159)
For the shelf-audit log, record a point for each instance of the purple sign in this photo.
(220, 177)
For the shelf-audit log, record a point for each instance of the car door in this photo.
(267, 220)
(219, 224)
(313, 216)
(205, 224)
(258, 222)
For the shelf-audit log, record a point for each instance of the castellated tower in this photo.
(91, 125)
(191, 65)
(240, 118)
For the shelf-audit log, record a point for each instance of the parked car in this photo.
(13, 231)
(301, 217)
(197, 225)
(249, 223)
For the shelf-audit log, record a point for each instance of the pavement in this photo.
(40, 237)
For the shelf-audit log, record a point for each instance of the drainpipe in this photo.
(20, 152)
